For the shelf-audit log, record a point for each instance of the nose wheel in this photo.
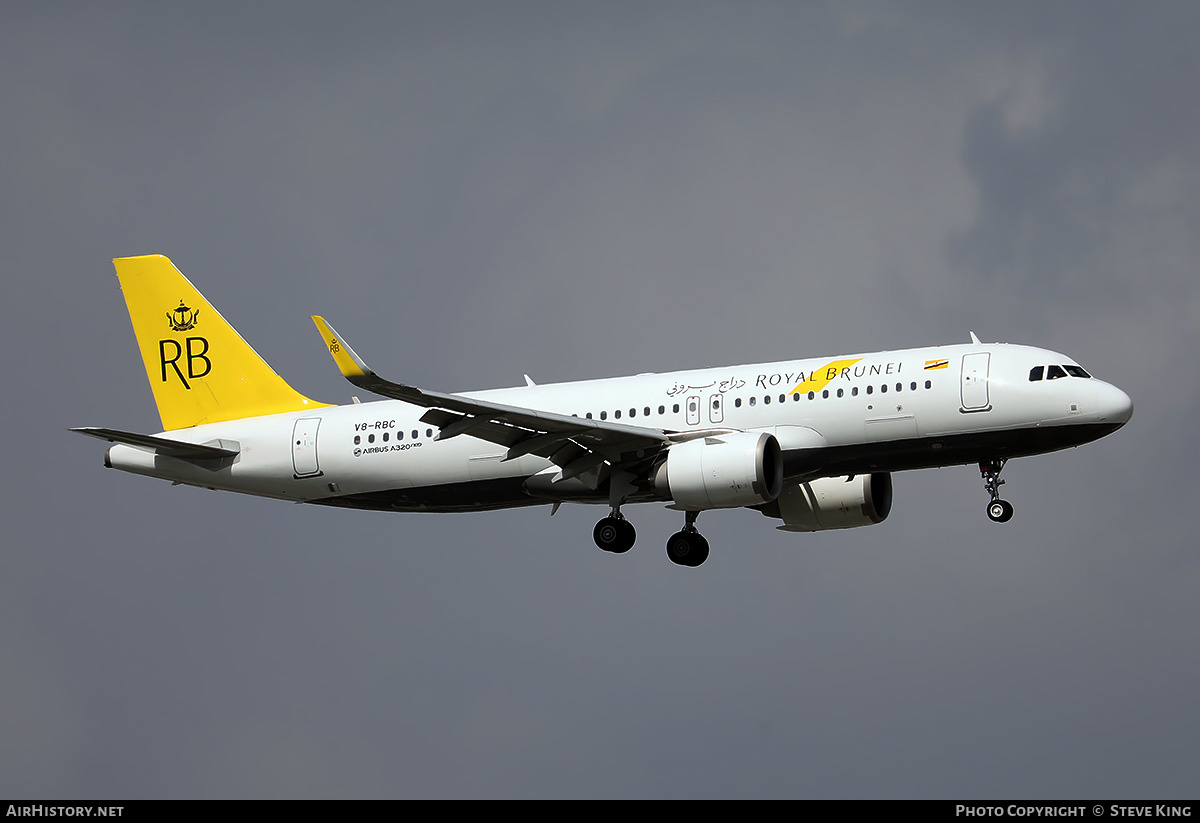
(998, 511)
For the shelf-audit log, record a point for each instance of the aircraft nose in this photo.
(1115, 405)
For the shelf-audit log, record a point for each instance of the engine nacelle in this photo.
(723, 472)
(833, 503)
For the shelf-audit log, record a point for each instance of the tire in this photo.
(614, 534)
(687, 549)
(607, 533)
(1000, 511)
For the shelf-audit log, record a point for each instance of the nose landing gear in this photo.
(999, 511)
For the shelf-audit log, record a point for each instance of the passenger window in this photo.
(617, 414)
(603, 415)
(825, 393)
(1054, 372)
(812, 395)
(914, 385)
(841, 392)
(429, 432)
(899, 386)
(752, 400)
(1035, 373)
(675, 408)
(662, 409)
(883, 388)
(796, 396)
(588, 415)
(737, 403)
(357, 439)
(870, 389)
(782, 397)
(767, 399)
(370, 438)
(416, 433)
(854, 392)
(646, 411)
(633, 412)
(398, 436)
(929, 384)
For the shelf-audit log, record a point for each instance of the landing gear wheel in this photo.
(1000, 511)
(627, 536)
(687, 548)
(614, 534)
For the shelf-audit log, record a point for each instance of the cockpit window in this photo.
(1054, 372)
(1076, 371)
(1036, 373)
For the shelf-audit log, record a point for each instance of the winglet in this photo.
(358, 372)
(350, 364)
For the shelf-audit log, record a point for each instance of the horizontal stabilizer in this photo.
(161, 445)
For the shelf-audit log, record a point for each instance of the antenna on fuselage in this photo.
(975, 339)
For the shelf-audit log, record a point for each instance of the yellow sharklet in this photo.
(345, 358)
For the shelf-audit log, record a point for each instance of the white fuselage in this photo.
(882, 411)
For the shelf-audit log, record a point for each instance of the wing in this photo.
(575, 444)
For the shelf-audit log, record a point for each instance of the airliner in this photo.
(810, 443)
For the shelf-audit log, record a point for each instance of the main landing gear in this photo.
(688, 547)
(685, 548)
(1000, 511)
(614, 533)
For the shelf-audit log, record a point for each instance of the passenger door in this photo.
(975, 382)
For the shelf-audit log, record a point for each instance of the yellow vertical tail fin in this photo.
(200, 368)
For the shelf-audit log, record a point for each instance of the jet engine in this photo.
(833, 503)
(722, 472)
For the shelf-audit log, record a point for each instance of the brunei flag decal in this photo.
(930, 365)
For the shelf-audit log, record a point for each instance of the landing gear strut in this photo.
(688, 547)
(614, 533)
(1000, 511)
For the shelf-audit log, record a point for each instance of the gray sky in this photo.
(474, 191)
